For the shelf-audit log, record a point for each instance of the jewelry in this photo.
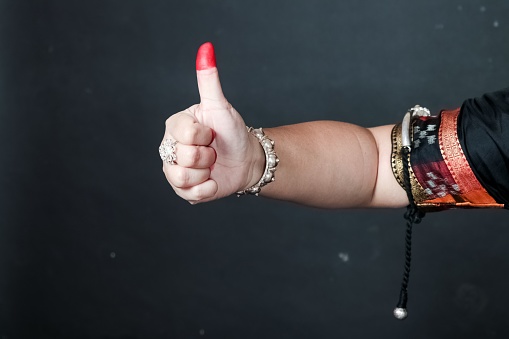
(271, 161)
(167, 151)
(413, 214)
(405, 125)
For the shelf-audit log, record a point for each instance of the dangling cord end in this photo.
(400, 311)
(412, 215)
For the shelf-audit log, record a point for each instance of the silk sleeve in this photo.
(459, 158)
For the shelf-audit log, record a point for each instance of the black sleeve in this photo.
(483, 132)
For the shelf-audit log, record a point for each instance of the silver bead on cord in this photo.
(400, 313)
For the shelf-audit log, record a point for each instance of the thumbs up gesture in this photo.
(207, 152)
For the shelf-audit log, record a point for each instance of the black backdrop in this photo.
(94, 243)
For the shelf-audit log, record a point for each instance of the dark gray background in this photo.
(95, 244)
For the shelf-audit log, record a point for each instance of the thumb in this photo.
(208, 76)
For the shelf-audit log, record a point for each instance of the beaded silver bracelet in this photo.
(271, 161)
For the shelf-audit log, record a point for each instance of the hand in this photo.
(215, 156)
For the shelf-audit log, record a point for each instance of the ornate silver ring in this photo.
(167, 151)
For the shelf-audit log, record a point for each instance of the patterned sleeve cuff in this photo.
(440, 175)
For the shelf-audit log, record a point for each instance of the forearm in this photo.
(332, 164)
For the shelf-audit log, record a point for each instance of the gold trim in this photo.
(397, 165)
(396, 162)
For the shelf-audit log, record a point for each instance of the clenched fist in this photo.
(215, 156)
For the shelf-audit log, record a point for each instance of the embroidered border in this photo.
(471, 189)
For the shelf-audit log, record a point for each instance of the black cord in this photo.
(413, 216)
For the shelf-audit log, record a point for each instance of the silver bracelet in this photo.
(271, 161)
(405, 125)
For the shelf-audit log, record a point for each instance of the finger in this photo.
(199, 193)
(211, 94)
(184, 128)
(183, 177)
(195, 156)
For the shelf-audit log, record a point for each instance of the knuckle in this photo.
(180, 177)
(167, 174)
(169, 121)
(194, 155)
(189, 134)
(199, 193)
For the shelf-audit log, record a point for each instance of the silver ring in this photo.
(167, 151)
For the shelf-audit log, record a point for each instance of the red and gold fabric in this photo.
(442, 171)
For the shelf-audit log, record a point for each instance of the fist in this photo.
(206, 150)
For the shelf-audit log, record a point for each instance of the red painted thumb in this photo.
(208, 77)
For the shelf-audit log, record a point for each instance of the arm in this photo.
(324, 163)
(334, 165)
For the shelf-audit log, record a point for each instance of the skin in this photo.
(326, 164)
